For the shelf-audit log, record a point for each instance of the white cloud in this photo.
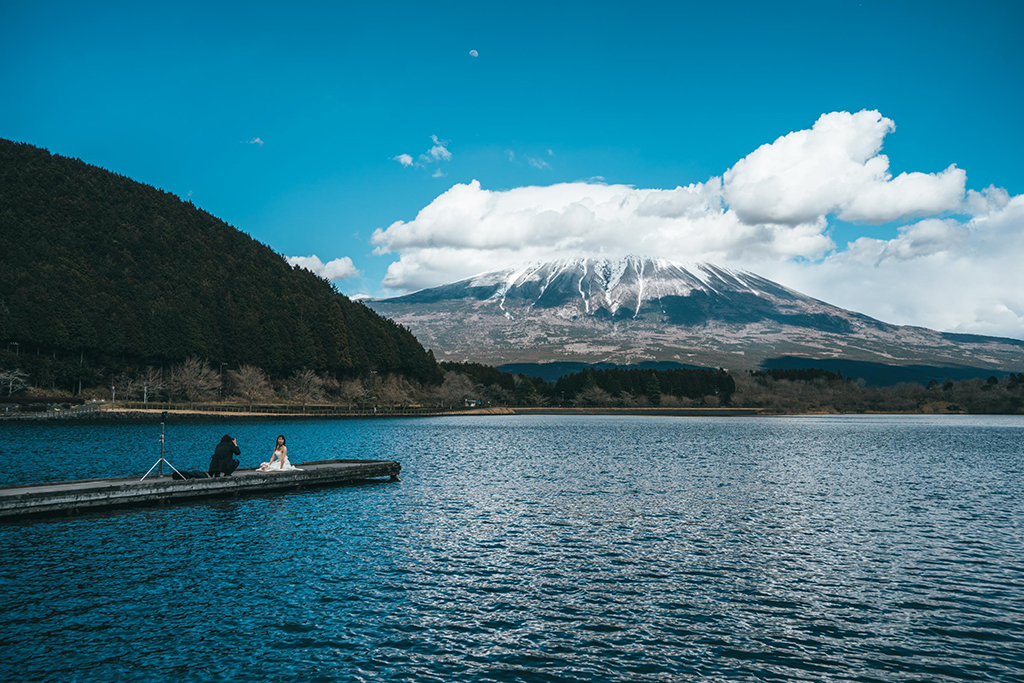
(474, 53)
(961, 277)
(440, 149)
(468, 229)
(535, 161)
(953, 265)
(437, 174)
(338, 269)
(989, 200)
(255, 141)
(924, 238)
(835, 168)
(437, 153)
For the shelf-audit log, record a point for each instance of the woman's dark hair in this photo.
(226, 438)
(281, 437)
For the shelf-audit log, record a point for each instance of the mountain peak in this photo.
(639, 308)
(602, 287)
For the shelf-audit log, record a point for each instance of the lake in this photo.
(534, 548)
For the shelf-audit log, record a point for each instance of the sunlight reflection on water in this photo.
(536, 548)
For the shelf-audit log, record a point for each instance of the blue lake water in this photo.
(542, 548)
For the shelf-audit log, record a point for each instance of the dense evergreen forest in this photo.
(600, 387)
(100, 274)
(818, 390)
(622, 386)
(803, 390)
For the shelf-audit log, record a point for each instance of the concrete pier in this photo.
(70, 497)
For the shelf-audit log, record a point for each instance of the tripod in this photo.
(159, 464)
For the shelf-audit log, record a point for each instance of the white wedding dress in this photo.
(281, 464)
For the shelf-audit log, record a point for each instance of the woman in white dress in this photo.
(279, 461)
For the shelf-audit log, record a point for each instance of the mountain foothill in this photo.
(101, 275)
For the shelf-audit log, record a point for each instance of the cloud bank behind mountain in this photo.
(954, 264)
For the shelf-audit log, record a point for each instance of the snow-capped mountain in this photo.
(638, 309)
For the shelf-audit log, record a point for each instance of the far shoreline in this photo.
(110, 413)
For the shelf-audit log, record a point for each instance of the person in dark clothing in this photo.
(222, 462)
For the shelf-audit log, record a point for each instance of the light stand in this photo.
(159, 464)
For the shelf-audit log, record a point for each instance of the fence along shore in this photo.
(140, 410)
(128, 409)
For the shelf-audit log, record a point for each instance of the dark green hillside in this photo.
(96, 265)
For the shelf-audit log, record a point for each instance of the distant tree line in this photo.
(790, 391)
(774, 391)
(801, 374)
(462, 384)
(622, 387)
(633, 386)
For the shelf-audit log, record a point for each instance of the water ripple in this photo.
(537, 549)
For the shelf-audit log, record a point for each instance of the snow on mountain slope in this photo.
(635, 309)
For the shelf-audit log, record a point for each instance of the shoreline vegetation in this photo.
(194, 389)
(115, 412)
(214, 412)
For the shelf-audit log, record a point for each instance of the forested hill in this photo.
(97, 265)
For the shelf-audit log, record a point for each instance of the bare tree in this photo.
(250, 383)
(394, 390)
(13, 380)
(593, 396)
(126, 386)
(455, 389)
(194, 380)
(626, 399)
(351, 391)
(306, 386)
(151, 384)
(670, 401)
(332, 387)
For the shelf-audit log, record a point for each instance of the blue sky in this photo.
(651, 95)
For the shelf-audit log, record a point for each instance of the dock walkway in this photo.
(69, 497)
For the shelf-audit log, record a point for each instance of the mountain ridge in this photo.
(104, 269)
(637, 309)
